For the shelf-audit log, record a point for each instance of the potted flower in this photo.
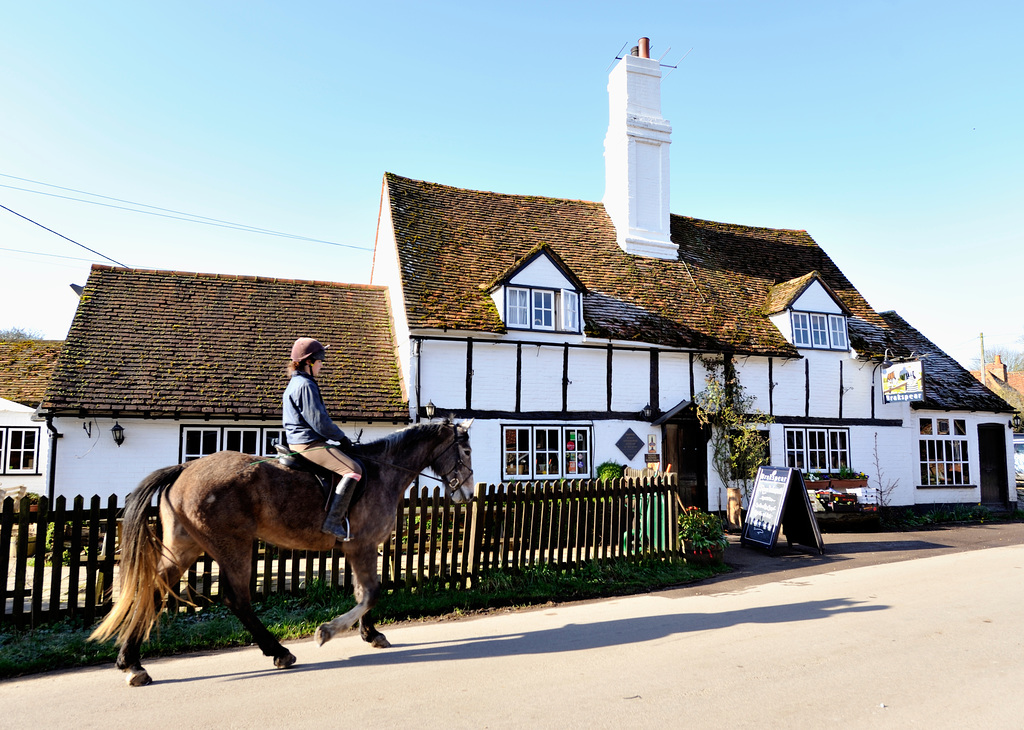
(701, 536)
(847, 478)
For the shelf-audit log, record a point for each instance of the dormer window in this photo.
(819, 331)
(552, 310)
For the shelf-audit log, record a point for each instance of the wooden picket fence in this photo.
(63, 561)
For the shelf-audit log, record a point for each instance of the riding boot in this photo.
(336, 522)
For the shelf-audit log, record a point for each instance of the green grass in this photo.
(65, 645)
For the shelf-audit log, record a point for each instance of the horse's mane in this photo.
(386, 447)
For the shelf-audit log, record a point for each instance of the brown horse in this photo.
(219, 504)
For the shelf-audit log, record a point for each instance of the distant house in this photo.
(189, 364)
(1007, 384)
(25, 370)
(579, 332)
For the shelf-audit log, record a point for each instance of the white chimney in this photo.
(636, 193)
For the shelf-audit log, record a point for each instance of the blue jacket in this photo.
(305, 417)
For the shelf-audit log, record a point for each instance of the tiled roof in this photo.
(162, 343)
(25, 369)
(451, 241)
(947, 385)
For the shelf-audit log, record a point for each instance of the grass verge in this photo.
(65, 645)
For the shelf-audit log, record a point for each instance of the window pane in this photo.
(819, 330)
(926, 426)
(544, 310)
(570, 311)
(943, 426)
(838, 328)
(518, 306)
(960, 427)
(801, 330)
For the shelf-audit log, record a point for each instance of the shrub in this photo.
(701, 530)
(610, 470)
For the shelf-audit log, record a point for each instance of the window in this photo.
(817, 449)
(199, 442)
(943, 452)
(518, 308)
(542, 309)
(546, 452)
(570, 311)
(838, 328)
(246, 440)
(820, 331)
(801, 330)
(19, 449)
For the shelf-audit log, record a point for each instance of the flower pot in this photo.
(849, 483)
(702, 556)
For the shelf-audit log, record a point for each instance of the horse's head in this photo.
(454, 463)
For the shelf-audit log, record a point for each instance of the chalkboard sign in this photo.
(779, 502)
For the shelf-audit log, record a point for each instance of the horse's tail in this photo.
(143, 589)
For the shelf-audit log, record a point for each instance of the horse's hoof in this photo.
(283, 662)
(379, 642)
(138, 679)
(322, 635)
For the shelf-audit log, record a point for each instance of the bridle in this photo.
(451, 479)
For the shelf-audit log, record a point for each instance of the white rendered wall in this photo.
(541, 272)
(18, 416)
(96, 465)
(815, 299)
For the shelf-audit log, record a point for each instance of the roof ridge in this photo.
(238, 277)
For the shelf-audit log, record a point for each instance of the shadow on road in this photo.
(569, 638)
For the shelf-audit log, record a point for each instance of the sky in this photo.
(251, 138)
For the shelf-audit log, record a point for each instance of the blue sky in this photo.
(891, 131)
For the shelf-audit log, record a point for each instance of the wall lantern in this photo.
(646, 412)
(117, 431)
(430, 409)
(1016, 423)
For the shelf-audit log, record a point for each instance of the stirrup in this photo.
(337, 529)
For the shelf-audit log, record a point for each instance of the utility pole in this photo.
(984, 370)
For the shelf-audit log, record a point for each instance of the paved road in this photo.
(862, 637)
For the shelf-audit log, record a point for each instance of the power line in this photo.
(166, 212)
(62, 236)
(39, 253)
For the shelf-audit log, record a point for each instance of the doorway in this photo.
(686, 450)
(992, 458)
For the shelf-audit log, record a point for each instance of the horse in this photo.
(220, 503)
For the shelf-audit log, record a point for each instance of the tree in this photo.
(18, 334)
(738, 444)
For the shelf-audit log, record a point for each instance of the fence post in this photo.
(475, 512)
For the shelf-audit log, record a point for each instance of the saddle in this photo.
(326, 479)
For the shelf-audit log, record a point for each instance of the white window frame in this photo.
(204, 448)
(8, 450)
(570, 311)
(819, 331)
(943, 455)
(801, 329)
(517, 307)
(528, 454)
(837, 331)
(243, 435)
(543, 312)
(816, 449)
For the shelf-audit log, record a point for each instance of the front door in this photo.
(686, 450)
(992, 455)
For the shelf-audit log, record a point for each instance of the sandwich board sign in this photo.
(779, 503)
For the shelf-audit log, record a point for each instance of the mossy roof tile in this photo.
(179, 343)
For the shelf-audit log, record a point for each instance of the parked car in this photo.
(1018, 455)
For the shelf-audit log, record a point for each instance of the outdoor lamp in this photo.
(1016, 423)
(646, 412)
(886, 362)
(117, 431)
(430, 409)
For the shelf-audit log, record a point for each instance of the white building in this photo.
(25, 369)
(577, 332)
